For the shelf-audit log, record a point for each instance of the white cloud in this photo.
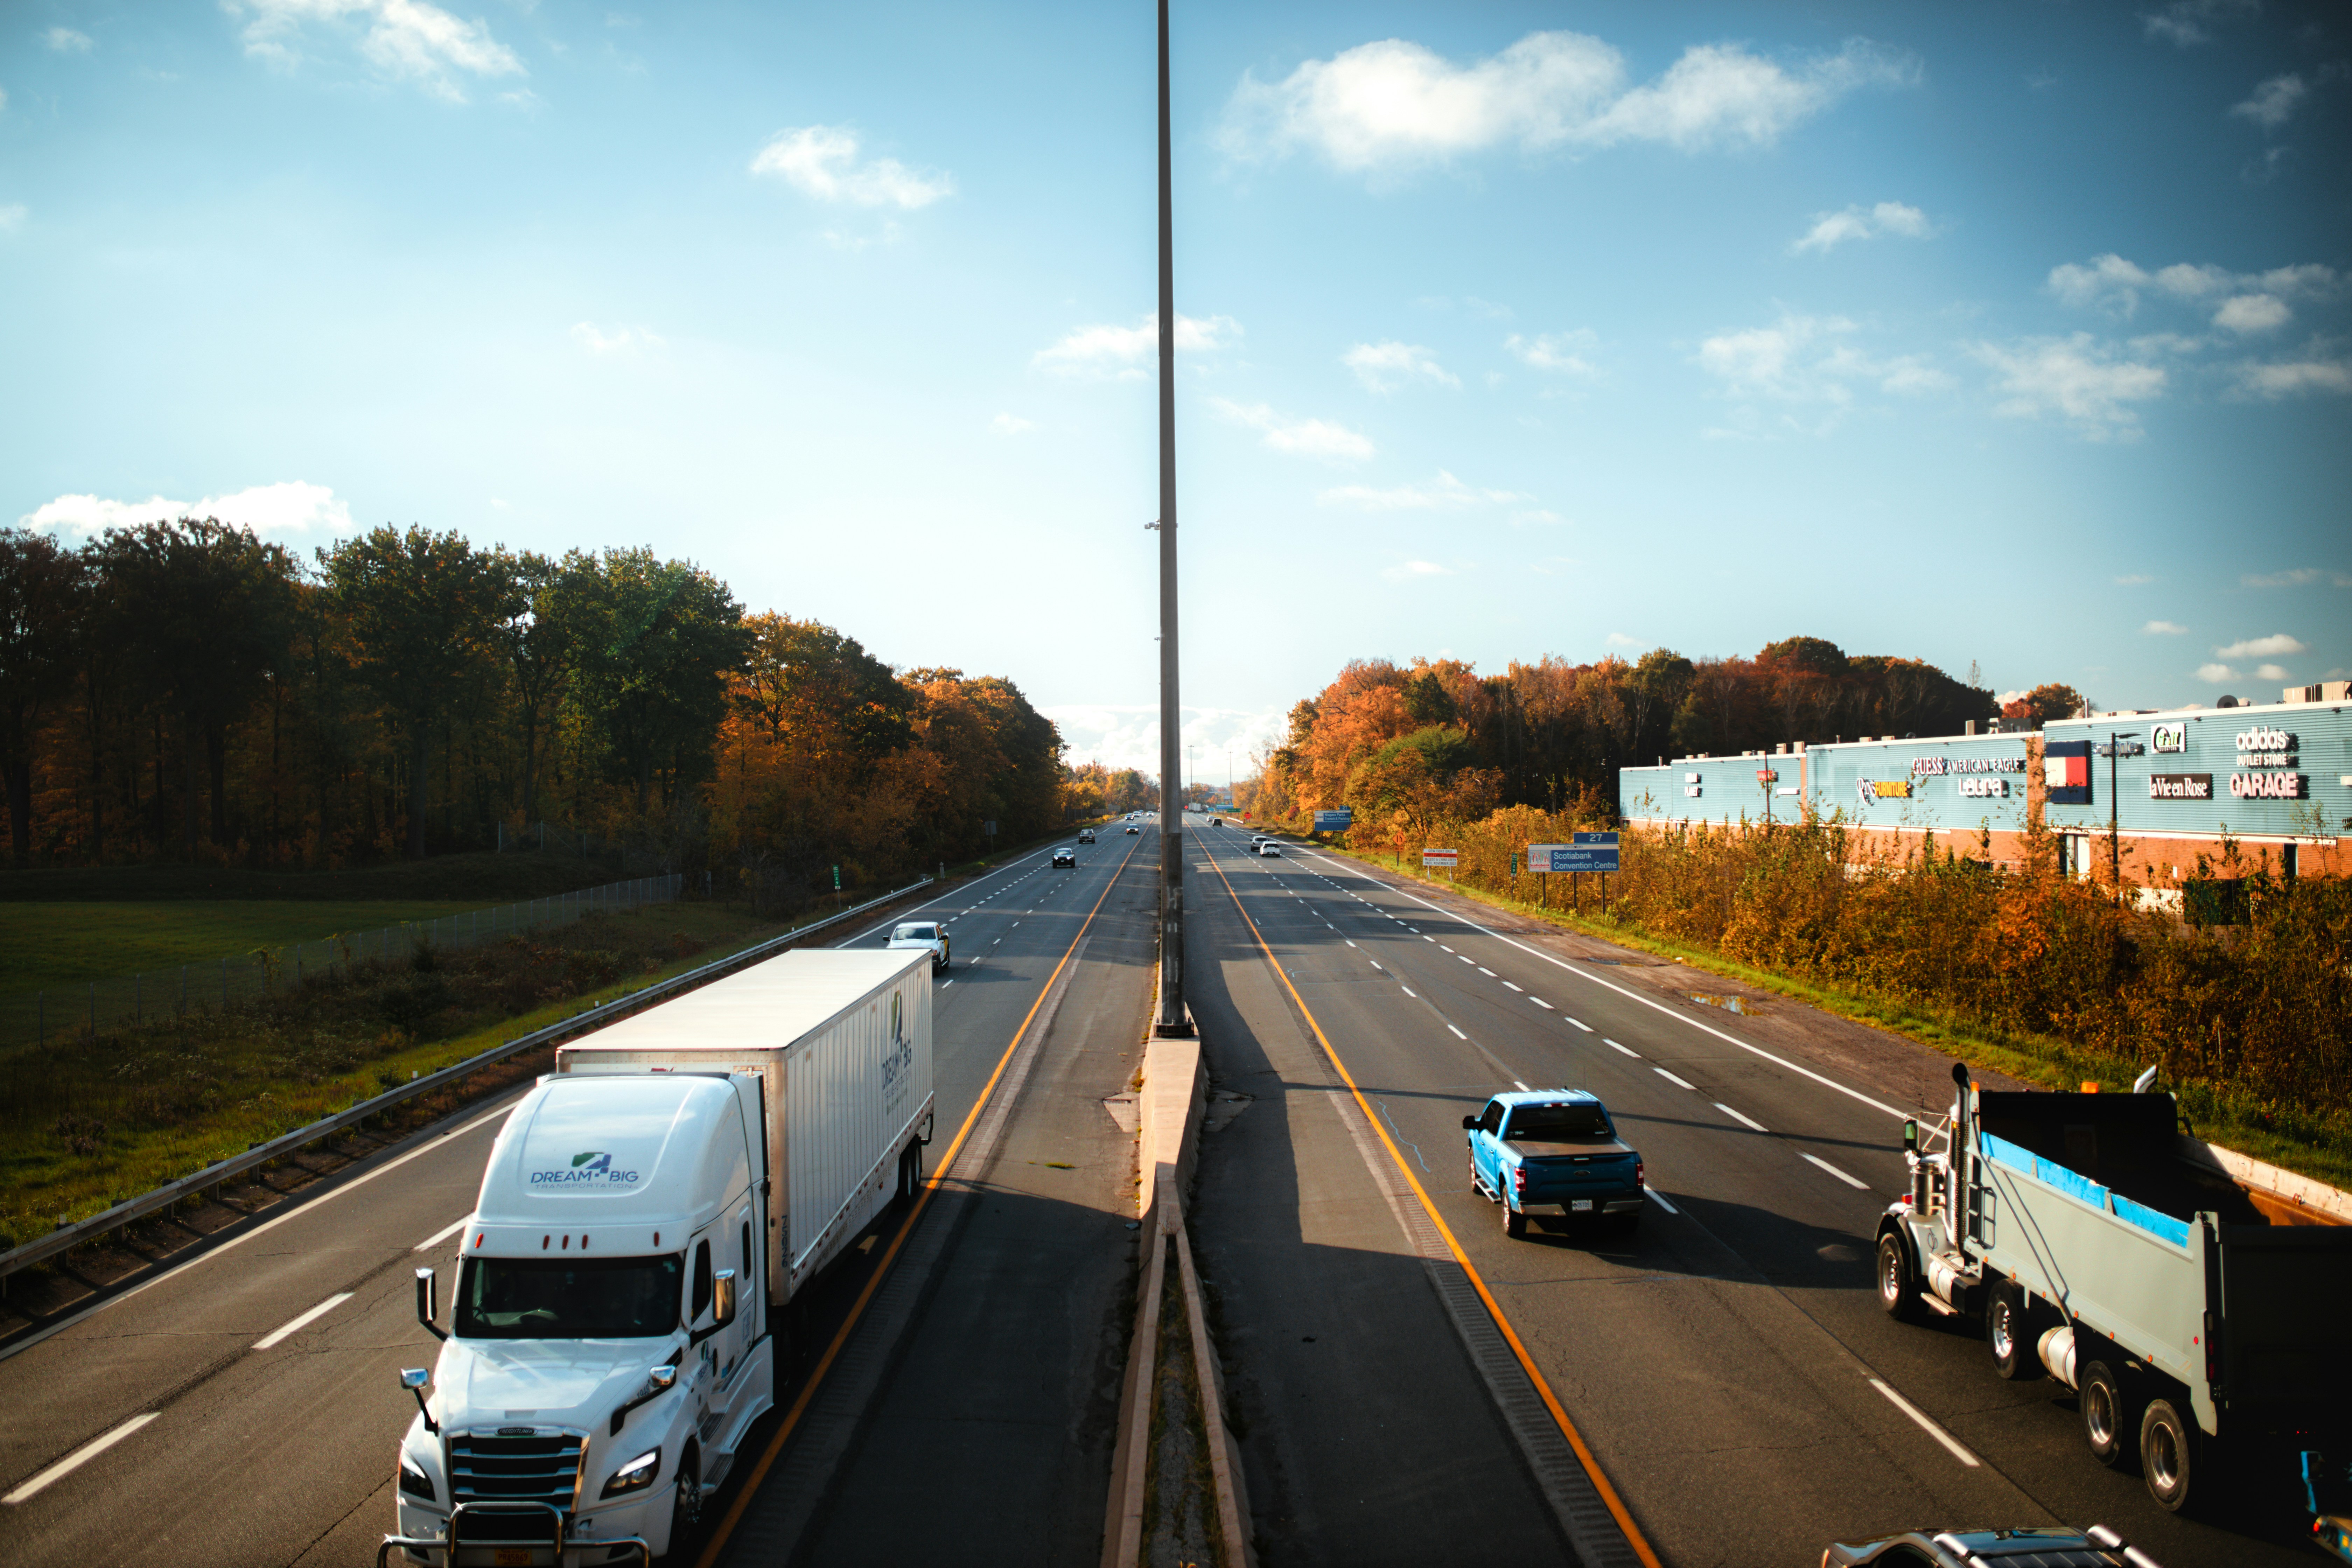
(2273, 103)
(1394, 104)
(1127, 735)
(290, 506)
(2252, 313)
(2218, 674)
(2186, 23)
(1127, 350)
(1619, 639)
(1407, 571)
(2163, 628)
(1799, 360)
(2111, 283)
(2076, 377)
(1445, 493)
(12, 217)
(1385, 367)
(1560, 352)
(597, 341)
(408, 39)
(2317, 371)
(2262, 648)
(1831, 229)
(2298, 577)
(2270, 671)
(821, 161)
(65, 41)
(1306, 437)
(1012, 424)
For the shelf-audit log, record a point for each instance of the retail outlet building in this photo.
(2275, 780)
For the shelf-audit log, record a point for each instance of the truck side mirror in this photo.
(428, 1305)
(1469, 1124)
(722, 1300)
(661, 1377)
(414, 1379)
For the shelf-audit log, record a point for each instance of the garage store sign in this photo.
(2266, 786)
(2266, 747)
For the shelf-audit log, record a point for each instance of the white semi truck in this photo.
(2190, 1327)
(647, 1211)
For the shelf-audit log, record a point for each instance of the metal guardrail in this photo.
(64, 1239)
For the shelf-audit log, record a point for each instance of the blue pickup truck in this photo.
(1540, 1147)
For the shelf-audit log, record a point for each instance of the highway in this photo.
(1729, 1367)
(1720, 1387)
(241, 1408)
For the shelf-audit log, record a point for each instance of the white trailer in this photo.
(2186, 1322)
(644, 1210)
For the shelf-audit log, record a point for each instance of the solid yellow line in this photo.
(930, 1184)
(1617, 1509)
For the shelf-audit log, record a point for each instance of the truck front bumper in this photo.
(498, 1536)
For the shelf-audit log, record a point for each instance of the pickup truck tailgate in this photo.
(1561, 1174)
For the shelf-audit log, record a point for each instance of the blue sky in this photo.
(2018, 336)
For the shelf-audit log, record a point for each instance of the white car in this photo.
(1270, 848)
(923, 934)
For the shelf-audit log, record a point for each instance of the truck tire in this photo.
(685, 1511)
(2007, 1332)
(2105, 1415)
(1899, 1289)
(1515, 1224)
(2167, 1454)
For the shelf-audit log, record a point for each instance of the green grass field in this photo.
(55, 947)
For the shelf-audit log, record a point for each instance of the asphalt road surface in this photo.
(1728, 1366)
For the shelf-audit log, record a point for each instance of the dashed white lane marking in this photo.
(1627, 1049)
(1410, 991)
(1673, 1080)
(443, 1234)
(1487, 972)
(1834, 1170)
(1350, 944)
(1442, 948)
(1376, 964)
(304, 1321)
(1472, 964)
(1743, 1120)
(1577, 1022)
(1927, 1425)
(1522, 1088)
(945, 984)
(1660, 1199)
(1518, 988)
(1434, 938)
(1458, 1034)
(1542, 1003)
(78, 1458)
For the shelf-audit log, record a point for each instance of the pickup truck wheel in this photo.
(2167, 1454)
(2007, 1333)
(2104, 1415)
(1898, 1292)
(1515, 1224)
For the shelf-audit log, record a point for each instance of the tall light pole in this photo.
(1172, 1020)
(2116, 739)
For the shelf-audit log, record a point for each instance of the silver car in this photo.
(923, 934)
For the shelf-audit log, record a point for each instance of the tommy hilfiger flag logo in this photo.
(2066, 772)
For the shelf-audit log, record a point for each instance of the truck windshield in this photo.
(568, 1299)
(1551, 1123)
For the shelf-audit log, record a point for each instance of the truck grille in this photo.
(498, 1468)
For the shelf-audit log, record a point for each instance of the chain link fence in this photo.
(101, 1006)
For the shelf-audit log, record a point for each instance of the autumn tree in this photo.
(2045, 702)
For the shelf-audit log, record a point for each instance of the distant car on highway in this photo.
(922, 933)
(1214, 823)
(1268, 846)
(1066, 856)
(1542, 1148)
(2097, 1547)
(1086, 835)
(1133, 828)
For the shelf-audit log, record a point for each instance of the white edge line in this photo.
(1833, 1170)
(443, 1234)
(78, 1458)
(1673, 1080)
(304, 1321)
(1660, 1199)
(1744, 1121)
(1927, 1425)
(1647, 1002)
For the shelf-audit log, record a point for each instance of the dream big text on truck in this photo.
(646, 1210)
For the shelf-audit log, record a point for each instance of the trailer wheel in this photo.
(2104, 1415)
(2006, 1332)
(1898, 1291)
(2167, 1454)
(1515, 1224)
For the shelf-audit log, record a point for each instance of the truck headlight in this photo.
(414, 1482)
(636, 1476)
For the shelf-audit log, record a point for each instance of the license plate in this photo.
(1580, 1206)
(511, 1556)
